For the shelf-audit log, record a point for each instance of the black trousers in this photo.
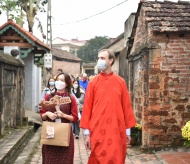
(76, 128)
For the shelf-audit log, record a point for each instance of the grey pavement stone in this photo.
(134, 154)
(12, 142)
(33, 117)
(29, 149)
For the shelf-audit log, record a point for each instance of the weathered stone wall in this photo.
(159, 83)
(169, 91)
(123, 64)
(142, 35)
(138, 84)
(11, 91)
(66, 66)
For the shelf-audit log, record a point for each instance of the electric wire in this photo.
(92, 15)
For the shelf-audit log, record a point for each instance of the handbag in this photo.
(54, 133)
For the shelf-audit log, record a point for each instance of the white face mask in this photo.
(75, 86)
(60, 85)
(101, 64)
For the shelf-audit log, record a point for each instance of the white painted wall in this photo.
(32, 83)
(71, 46)
(29, 60)
(65, 47)
(36, 86)
(115, 67)
(71, 42)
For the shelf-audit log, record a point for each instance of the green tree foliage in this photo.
(89, 51)
(18, 9)
(8, 6)
(30, 7)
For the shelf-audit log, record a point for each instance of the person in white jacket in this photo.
(79, 93)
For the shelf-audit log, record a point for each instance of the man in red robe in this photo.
(106, 114)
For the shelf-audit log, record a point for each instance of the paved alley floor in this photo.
(134, 155)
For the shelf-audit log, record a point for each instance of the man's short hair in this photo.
(111, 54)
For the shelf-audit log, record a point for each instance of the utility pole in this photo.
(49, 27)
(48, 72)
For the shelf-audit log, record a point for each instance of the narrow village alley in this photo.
(134, 155)
(31, 152)
(125, 68)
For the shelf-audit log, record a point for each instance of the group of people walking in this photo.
(101, 107)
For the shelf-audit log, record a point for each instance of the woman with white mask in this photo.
(49, 89)
(68, 113)
(79, 93)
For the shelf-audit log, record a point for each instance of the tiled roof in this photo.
(26, 33)
(61, 39)
(78, 41)
(167, 16)
(64, 55)
(72, 40)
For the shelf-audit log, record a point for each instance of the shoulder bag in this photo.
(56, 133)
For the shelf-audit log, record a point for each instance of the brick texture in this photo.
(66, 66)
(159, 81)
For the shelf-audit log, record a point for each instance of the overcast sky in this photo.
(64, 12)
(110, 23)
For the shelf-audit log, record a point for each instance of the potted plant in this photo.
(136, 135)
(185, 131)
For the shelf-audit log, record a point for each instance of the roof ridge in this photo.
(64, 54)
(30, 35)
(165, 2)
